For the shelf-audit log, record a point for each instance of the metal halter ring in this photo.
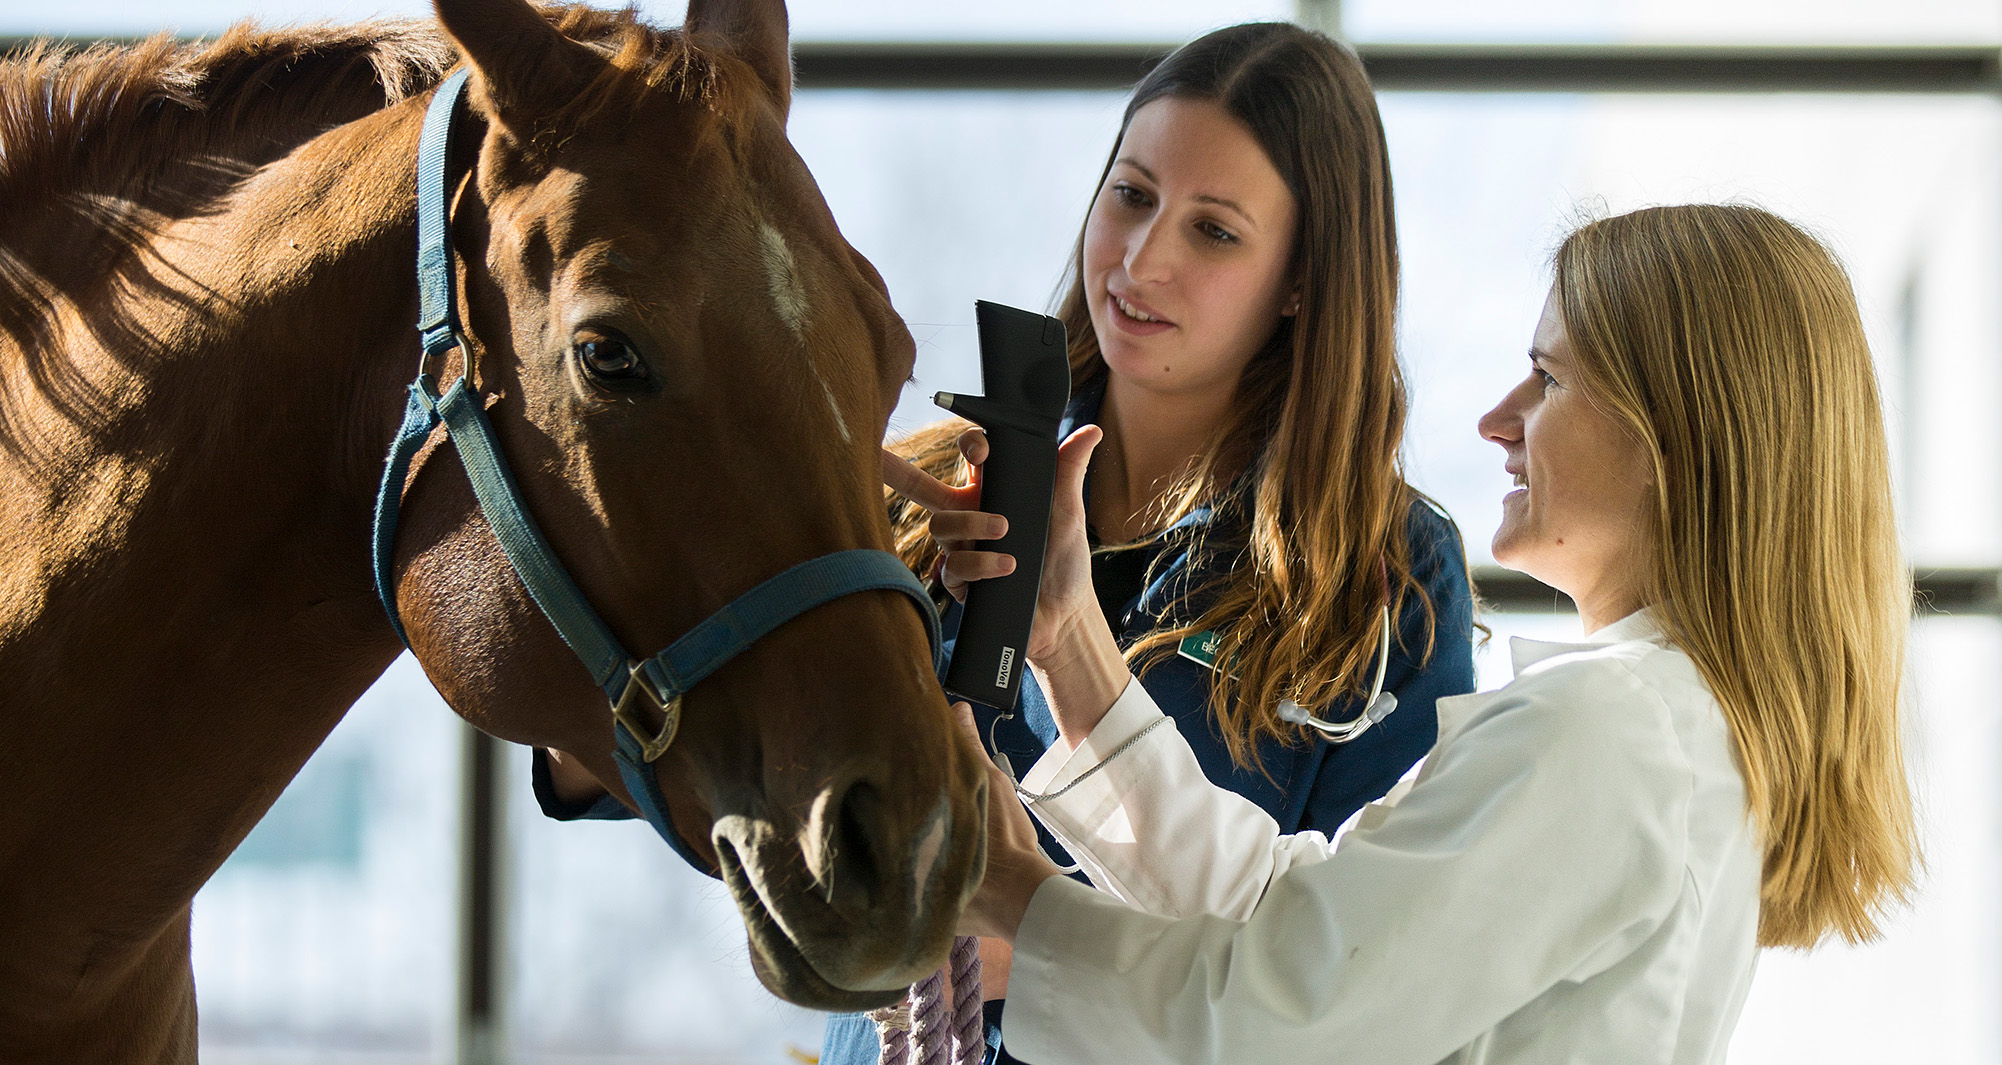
(626, 712)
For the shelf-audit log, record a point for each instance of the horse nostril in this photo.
(856, 863)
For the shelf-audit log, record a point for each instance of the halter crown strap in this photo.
(667, 676)
(437, 310)
(437, 329)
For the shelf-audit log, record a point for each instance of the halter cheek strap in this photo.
(645, 695)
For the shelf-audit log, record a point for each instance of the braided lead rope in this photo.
(893, 1032)
(918, 1031)
(931, 1037)
(969, 1023)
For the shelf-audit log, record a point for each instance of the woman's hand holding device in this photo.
(1076, 660)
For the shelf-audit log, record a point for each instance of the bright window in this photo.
(1676, 21)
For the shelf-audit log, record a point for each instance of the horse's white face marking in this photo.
(931, 847)
(789, 298)
(788, 295)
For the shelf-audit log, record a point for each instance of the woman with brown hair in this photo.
(1589, 859)
(1247, 543)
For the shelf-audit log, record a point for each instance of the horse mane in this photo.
(111, 121)
(102, 146)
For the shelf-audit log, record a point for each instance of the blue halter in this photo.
(635, 688)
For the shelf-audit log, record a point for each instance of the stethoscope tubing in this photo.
(1378, 707)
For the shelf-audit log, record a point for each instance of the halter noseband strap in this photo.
(645, 694)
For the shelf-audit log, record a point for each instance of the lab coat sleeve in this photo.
(1132, 828)
(1544, 841)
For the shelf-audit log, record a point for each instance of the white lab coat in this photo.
(1571, 877)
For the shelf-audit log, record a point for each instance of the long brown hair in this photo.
(1729, 343)
(1307, 461)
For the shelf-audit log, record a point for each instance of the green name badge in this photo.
(1201, 648)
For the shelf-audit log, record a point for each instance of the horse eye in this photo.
(609, 359)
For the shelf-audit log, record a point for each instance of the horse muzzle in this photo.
(858, 903)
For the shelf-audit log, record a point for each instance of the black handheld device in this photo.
(1025, 368)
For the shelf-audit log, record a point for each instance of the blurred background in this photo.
(958, 145)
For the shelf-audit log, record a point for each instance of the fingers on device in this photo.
(1025, 368)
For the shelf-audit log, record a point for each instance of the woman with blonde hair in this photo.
(1590, 857)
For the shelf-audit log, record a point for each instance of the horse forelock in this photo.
(644, 63)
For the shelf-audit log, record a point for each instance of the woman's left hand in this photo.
(1016, 865)
(1072, 651)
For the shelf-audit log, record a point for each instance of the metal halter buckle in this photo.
(627, 712)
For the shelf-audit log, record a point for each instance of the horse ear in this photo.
(757, 32)
(522, 64)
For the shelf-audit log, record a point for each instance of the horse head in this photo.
(689, 371)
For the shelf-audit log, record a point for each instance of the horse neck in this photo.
(259, 354)
(187, 607)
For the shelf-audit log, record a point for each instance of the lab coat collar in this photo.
(1456, 710)
(1639, 625)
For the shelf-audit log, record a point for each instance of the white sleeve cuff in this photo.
(1133, 711)
(1130, 805)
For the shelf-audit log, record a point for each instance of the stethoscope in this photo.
(1379, 706)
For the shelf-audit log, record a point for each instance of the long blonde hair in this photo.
(1307, 462)
(1728, 341)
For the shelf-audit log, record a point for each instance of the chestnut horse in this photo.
(206, 297)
